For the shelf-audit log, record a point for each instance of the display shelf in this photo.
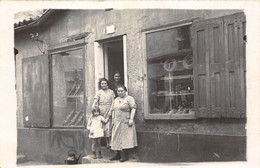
(177, 77)
(74, 118)
(72, 80)
(72, 69)
(173, 94)
(76, 96)
(75, 88)
(170, 116)
(189, 76)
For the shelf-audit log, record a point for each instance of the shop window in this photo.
(68, 88)
(169, 59)
(54, 87)
(199, 78)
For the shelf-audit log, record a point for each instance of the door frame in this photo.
(101, 59)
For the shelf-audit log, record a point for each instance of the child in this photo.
(96, 131)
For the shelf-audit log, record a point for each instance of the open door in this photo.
(110, 56)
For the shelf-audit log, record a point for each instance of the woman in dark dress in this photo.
(117, 82)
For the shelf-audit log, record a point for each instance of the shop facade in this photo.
(185, 69)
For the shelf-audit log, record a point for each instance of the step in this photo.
(106, 155)
(89, 160)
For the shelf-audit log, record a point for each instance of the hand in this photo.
(130, 123)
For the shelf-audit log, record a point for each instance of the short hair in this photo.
(101, 80)
(95, 109)
(121, 86)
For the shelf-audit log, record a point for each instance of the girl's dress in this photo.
(105, 99)
(123, 136)
(95, 127)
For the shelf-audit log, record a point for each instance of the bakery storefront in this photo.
(185, 69)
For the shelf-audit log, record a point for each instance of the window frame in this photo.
(237, 66)
(59, 48)
(147, 114)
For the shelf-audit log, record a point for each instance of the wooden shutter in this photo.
(36, 91)
(216, 67)
(209, 68)
(219, 67)
(234, 30)
(200, 36)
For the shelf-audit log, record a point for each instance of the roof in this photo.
(29, 18)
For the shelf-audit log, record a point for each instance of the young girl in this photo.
(96, 131)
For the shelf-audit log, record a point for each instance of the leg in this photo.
(94, 148)
(117, 156)
(99, 147)
(124, 155)
(108, 144)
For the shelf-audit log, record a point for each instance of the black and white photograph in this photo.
(114, 86)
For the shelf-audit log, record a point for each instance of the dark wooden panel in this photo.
(36, 91)
(215, 90)
(234, 65)
(232, 91)
(216, 67)
(209, 61)
(217, 38)
(231, 40)
(201, 70)
(201, 47)
(201, 92)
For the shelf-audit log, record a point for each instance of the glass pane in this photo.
(68, 89)
(170, 79)
(167, 41)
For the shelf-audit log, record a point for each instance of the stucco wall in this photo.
(129, 22)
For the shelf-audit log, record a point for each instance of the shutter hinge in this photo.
(245, 38)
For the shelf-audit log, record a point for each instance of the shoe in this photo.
(94, 155)
(124, 155)
(123, 160)
(99, 155)
(117, 156)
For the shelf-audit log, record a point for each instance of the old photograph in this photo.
(129, 86)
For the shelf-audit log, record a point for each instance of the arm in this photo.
(96, 99)
(95, 102)
(132, 115)
(132, 105)
(89, 123)
(111, 113)
(105, 120)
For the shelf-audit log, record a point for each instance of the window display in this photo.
(68, 89)
(170, 72)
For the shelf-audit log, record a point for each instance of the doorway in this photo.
(110, 56)
(114, 60)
